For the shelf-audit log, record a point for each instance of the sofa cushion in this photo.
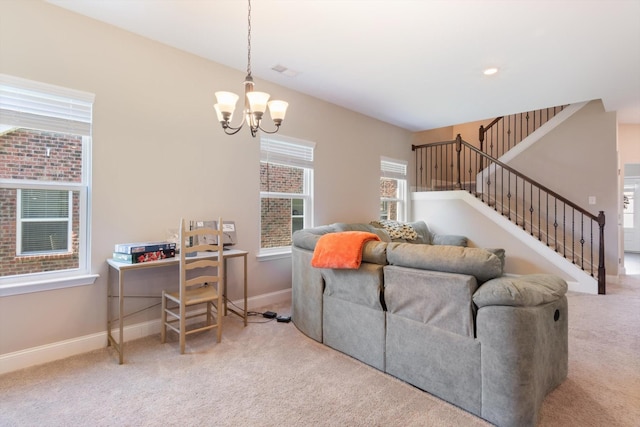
(449, 240)
(500, 253)
(362, 286)
(308, 237)
(424, 234)
(523, 291)
(477, 262)
(341, 226)
(441, 300)
(375, 252)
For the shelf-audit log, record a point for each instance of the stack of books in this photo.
(133, 253)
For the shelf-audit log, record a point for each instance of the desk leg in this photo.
(109, 308)
(120, 316)
(244, 309)
(224, 285)
(245, 290)
(118, 346)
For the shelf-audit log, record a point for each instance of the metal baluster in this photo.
(555, 223)
(564, 229)
(582, 241)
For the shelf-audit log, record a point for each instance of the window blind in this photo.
(45, 216)
(35, 105)
(391, 168)
(287, 151)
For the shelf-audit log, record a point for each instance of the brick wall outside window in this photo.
(23, 155)
(389, 188)
(276, 212)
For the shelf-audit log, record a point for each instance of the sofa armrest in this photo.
(307, 287)
(522, 325)
(524, 291)
(524, 357)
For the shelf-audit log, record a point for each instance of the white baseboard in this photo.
(21, 359)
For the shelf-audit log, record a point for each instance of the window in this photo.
(45, 146)
(286, 191)
(393, 189)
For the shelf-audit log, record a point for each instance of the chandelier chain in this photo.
(249, 40)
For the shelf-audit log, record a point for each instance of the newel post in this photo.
(458, 150)
(481, 139)
(602, 277)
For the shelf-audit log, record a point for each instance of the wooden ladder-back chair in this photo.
(199, 284)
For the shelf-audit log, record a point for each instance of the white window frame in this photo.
(40, 106)
(293, 152)
(396, 169)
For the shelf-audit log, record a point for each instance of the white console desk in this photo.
(120, 268)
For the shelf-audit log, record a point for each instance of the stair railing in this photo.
(505, 132)
(562, 225)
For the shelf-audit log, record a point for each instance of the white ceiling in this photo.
(413, 63)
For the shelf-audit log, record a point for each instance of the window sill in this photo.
(27, 287)
(273, 255)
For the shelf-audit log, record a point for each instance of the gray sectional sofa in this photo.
(440, 316)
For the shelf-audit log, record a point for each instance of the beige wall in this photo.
(629, 144)
(579, 160)
(159, 154)
(468, 132)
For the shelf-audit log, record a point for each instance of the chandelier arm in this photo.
(227, 125)
(270, 132)
(233, 130)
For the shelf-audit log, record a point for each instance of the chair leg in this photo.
(163, 319)
(219, 320)
(182, 328)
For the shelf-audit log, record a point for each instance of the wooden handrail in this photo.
(456, 180)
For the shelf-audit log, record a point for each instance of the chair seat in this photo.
(195, 296)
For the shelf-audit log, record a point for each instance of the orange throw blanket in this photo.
(341, 250)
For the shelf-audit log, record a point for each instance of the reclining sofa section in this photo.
(441, 317)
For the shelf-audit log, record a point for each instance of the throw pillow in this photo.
(396, 230)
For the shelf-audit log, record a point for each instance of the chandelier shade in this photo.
(255, 103)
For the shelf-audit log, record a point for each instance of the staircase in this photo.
(572, 232)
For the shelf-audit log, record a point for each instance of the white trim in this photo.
(31, 285)
(52, 109)
(287, 151)
(275, 253)
(10, 362)
(393, 168)
(37, 105)
(21, 359)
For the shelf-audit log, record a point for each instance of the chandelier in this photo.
(255, 103)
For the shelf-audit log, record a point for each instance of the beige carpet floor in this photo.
(269, 374)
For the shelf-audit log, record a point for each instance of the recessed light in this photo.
(490, 71)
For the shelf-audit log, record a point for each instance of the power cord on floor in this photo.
(269, 316)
